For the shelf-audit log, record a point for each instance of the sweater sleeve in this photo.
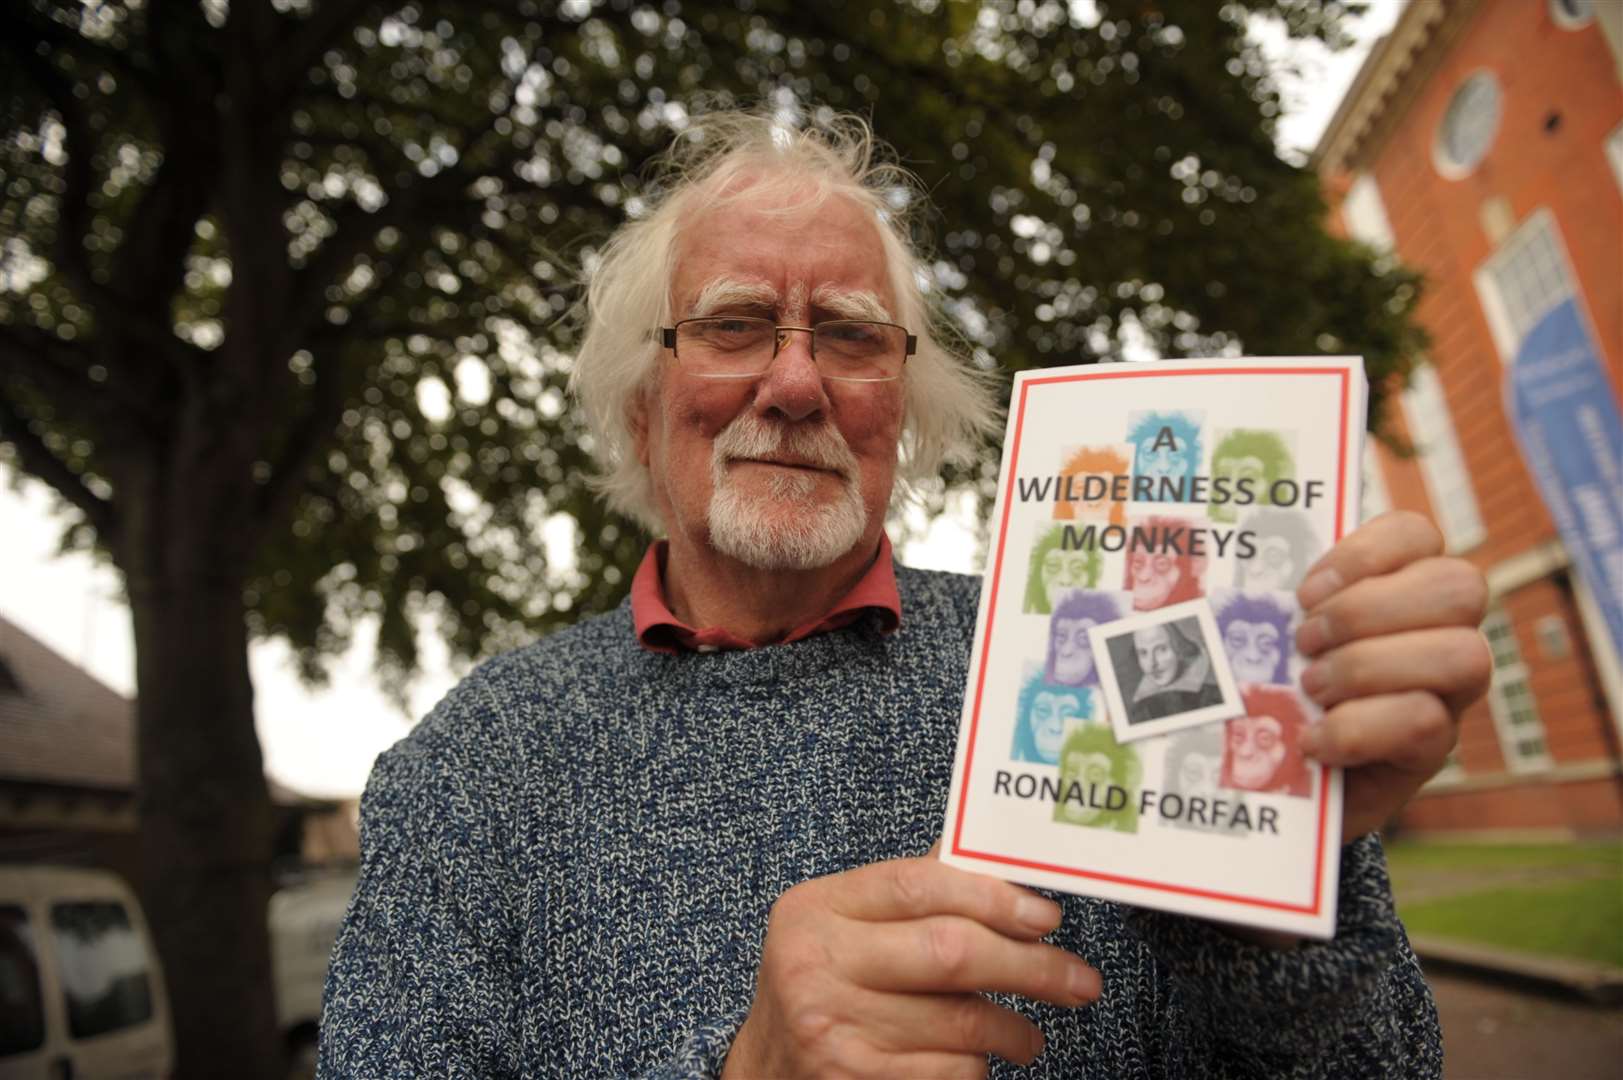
(425, 975)
(1356, 1005)
(432, 973)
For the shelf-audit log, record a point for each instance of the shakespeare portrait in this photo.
(1070, 655)
(1166, 446)
(1286, 546)
(1253, 456)
(1256, 632)
(1164, 670)
(1099, 780)
(1160, 578)
(1043, 715)
(1056, 570)
(1105, 463)
(1261, 752)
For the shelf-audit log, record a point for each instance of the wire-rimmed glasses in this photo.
(743, 346)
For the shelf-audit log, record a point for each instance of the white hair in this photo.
(721, 158)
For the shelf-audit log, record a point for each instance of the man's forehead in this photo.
(729, 290)
(770, 242)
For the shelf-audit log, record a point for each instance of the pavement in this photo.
(1493, 1031)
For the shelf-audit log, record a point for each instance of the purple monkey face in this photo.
(1073, 655)
(1254, 649)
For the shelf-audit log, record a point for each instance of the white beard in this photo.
(757, 531)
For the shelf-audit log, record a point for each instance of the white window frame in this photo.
(1442, 463)
(1374, 499)
(1516, 730)
(1614, 153)
(1363, 213)
(1540, 225)
(1446, 166)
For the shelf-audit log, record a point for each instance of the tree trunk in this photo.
(205, 819)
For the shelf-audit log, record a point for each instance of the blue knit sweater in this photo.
(567, 869)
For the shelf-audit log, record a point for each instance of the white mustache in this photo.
(821, 446)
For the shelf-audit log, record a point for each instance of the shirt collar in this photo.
(659, 630)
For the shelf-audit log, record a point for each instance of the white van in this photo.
(81, 990)
(304, 923)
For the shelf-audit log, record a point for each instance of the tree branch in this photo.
(75, 213)
(43, 463)
(306, 42)
(278, 494)
(61, 370)
(18, 22)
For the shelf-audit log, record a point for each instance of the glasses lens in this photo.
(725, 346)
(857, 349)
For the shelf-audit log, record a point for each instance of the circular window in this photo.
(1572, 14)
(1469, 125)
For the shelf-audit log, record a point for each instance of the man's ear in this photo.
(637, 424)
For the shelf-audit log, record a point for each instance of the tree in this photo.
(282, 285)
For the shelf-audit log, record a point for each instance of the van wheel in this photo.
(302, 1044)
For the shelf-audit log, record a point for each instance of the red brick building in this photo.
(1482, 143)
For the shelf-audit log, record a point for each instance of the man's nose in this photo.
(792, 386)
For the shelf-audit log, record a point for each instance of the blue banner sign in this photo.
(1564, 410)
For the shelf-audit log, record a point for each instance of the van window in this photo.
(22, 1011)
(103, 965)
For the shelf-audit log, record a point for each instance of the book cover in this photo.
(1133, 708)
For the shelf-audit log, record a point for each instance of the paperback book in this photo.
(1133, 711)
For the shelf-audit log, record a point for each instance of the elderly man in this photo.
(691, 837)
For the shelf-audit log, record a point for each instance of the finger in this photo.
(1430, 592)
(1391, 745)
(950, 1023)
(951, 954)
(917, 888)
(945, 1066)
(1412, 732)
(1453, 663)
(1377, 547)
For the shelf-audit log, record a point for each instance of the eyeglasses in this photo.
(743, 346)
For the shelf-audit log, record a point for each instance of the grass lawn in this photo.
(1576, 912)
(1407, 858)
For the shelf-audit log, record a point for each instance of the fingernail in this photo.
(1315, 679)
(1314, 635)
(1036, 914)
(1085, 982)
(1318, 588)
(1310, 742)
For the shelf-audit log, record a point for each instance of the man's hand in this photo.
(1392, 628)
(879, 972)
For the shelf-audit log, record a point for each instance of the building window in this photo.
(1442, 465)
(1469, 125)
(1572, 14)
(1374, 500)
(1523, 281)
(1614, 153)
(1510, 699)
(1364, 214)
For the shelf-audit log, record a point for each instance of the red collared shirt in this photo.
(659, 630)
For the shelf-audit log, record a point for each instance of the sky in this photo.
(322, 742)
